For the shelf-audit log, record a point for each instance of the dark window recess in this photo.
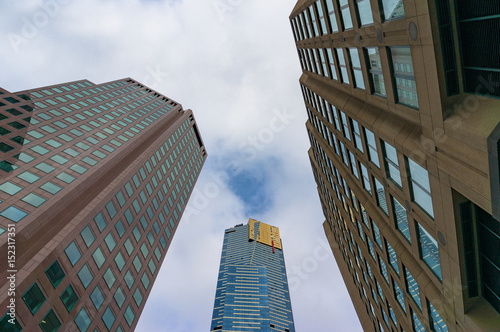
(447, 47)
(11, 100)
(489, 249)
(486, 248)
(27, 107)
(23, 96)
(479, 50)
(13, 111)
(469, 248)
(5, 147)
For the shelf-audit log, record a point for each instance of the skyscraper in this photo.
(94, 179)
(402, 100)
(252, 288)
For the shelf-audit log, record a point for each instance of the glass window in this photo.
(381, 201)
(73, 253)
(88, 236)
(120, 229)
(437, 323)
(356, 68)
(401, 219)
(119, 297)
(51, 188)
(420, 187)
(412, 288)
(393, 258)
(376, 234)
(429, 251)
(13, 213)
(383, 269)
(129, 280)
(69, 298)
(108, 318)
(120, 198)
(313, 20)
(100, 222)
(28, 177)
(110, 207)
(120, 261)
(82, 320)
(65, 177)
(332, 20)
(128, 246)
(399, 295)
(55, 273)
(366, 178)
(144, 250)
(50, 322)
(110, 241)
(344, 77)
(10, 188)
(402, 55)
(109, 277)
(357, 135)
(137, 263)
(152, 266)
(392, 10)
(33, 199)
(34, 298)
(372, 147)
(375, 71)
(85, 276)
(129, 316)
(345, 14)
(99, 258)
(364, 12)
(331, 63)
(97, 297)
(321, 17)
(391, 163)
(347, 132)
(145, 280)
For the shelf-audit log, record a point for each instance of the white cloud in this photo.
(240, 76)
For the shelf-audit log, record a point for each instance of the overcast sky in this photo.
(234, 63)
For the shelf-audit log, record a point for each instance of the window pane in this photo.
(129, 316)
(85, 276)
(420, 187)
(365, 11)
(412, 288)
(34, 298)
(99, 258)
(404, 79)
(109, 278)
(381, 201)
(69, 298)
(108, 318)
(356, 68)
(436, 321)
(119, 297)
(73, 253)
(50, 323)
(393, 9)
(429, 251)
(55, 274)
(97, 297)
(88, 236)
(82, 320)
(401, 219)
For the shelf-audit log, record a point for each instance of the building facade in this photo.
(252, 288)
(94, 179)
(403, 104)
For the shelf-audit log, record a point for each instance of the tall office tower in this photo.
(94, 179)
(402, 99)
(252, 288)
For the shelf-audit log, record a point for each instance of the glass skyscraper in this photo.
(252, 288)
(94, 179)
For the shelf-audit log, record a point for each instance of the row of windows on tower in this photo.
(427, 246)
(340, 64)
(320, 18)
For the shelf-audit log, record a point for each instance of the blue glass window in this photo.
(429, 251)
(73, 253)
(82, 320)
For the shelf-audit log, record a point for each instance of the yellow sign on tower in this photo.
(267, 234)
